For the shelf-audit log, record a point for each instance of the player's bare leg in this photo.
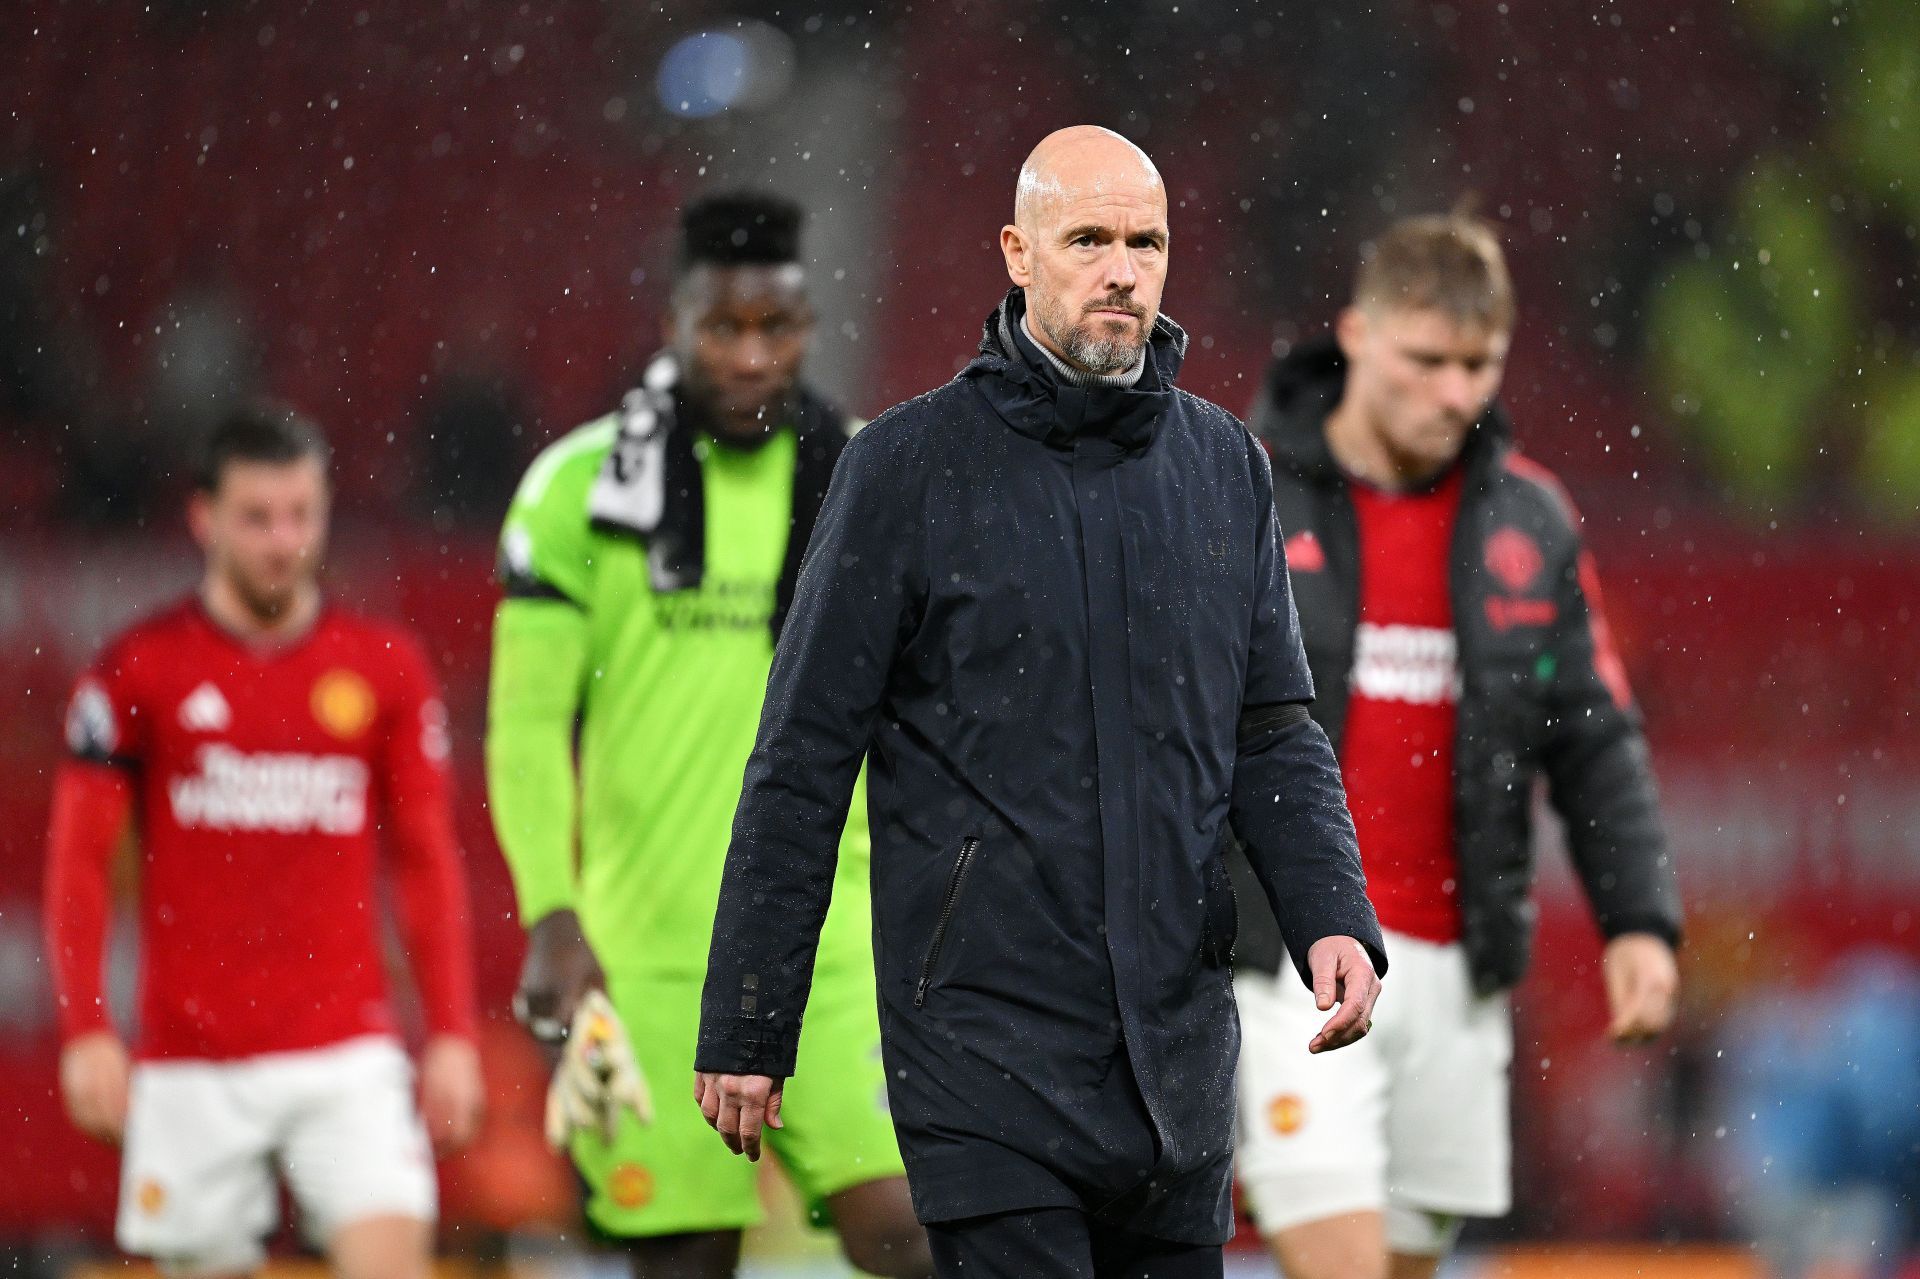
(1420, 1239)
(1350, 1246)
(878, 1230)
(389, 1247)
(707, 1254)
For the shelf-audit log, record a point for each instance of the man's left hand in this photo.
(452, 1095)
(1643, 984)
(1342, 974)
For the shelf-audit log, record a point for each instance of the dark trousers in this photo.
(1061, 1243)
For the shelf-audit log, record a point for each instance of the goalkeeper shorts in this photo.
(675, 1176)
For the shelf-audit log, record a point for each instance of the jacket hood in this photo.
(1029, 395)
(1304, 385)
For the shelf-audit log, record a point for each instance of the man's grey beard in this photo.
(1098, 355)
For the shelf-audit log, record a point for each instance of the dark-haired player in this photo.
(1451, 617)
(648, 559)
(262, 743)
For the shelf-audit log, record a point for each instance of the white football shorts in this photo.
(1410, 1122)
(204, 1140)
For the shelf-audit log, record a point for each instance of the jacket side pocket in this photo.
(969, 848)
(1220, 924)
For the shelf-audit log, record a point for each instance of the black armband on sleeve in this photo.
(125, 763)
(1258, 721)
(518, 585)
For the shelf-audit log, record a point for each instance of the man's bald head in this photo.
(1083, 158)
(1088, 244)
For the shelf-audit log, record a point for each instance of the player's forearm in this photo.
(91, 805)
(1605, 794)
(539, 657)
(1600, 776)
(434, 915)
(1289, 809)
(532, 795)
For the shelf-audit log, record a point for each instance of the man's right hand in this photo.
(559, 971)
(94, 1074)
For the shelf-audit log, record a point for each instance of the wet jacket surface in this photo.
(1542, 692)
(1057, 620)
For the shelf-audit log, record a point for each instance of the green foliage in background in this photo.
(1890, 451)
(1765, 335)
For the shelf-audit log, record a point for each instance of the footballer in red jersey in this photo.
(266, 747)
(1453, 625)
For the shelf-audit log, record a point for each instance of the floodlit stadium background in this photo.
(442, 228)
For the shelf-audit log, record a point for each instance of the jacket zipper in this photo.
(968, 847)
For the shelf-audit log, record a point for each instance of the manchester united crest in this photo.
(631, 1186)
(1513, 558)
(151, 1197)
(344, 704)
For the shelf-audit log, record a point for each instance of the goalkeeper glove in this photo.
(598, 1076)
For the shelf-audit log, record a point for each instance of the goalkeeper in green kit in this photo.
(648, 559)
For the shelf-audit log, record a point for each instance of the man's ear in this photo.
(200, 518)
(1350, 330)
(687, 301)
(1018, 251)
(670, 325)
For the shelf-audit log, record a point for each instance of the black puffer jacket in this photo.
(1541, 688)
(1056, 622)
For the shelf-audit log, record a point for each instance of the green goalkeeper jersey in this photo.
(620, 719)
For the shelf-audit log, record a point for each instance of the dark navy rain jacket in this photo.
(1056, 621)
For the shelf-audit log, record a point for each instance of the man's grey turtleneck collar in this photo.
(1080, 377)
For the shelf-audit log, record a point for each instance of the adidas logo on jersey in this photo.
(205, 711)
(287, 794)
(1415, 664)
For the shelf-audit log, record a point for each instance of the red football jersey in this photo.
(263, 781)
(1396, 753)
